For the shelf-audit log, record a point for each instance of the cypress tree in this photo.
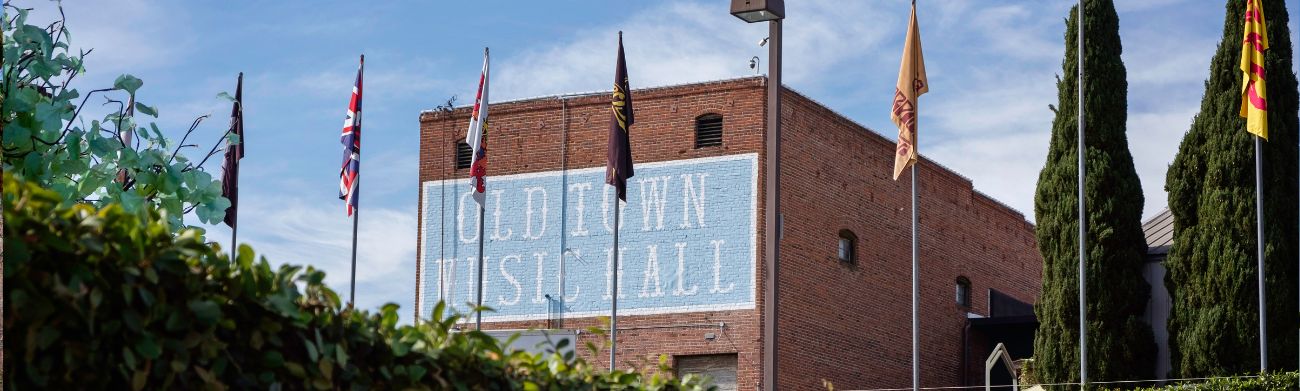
(1213, 326)
(1120, 344)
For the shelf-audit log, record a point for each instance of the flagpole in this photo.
(234, 230)
(916, 290)
(916, 265)
(1259, 254)
(1083, 240)
(478, 311)
(613, 309)
(356, 217)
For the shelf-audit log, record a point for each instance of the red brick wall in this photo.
(848, 324)
(526, 136)
(851, 323)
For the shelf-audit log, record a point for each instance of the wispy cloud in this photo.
(309, 232)
(127, 35)
(683, 42)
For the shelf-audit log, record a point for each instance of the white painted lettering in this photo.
(577, 288)
(651, 272)
(496, 215)
(656, 199)
(606, 196)
(692, 196)
(609, 267)
(541, 259)
(460, 219)
(681, 274)
(528, 219)
(717, 269)
(510, 279)
(448, 289)
(580, 228)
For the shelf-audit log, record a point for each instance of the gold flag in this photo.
(1254, 42)
(911, 84)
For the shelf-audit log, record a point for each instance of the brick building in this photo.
(691, 238)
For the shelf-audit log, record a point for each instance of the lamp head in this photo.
(758, 10)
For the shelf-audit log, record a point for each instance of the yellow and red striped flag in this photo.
(1254, 107)
(911, 84)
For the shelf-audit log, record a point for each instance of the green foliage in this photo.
(46, 139)
(1120, 345)
(1213, 325)
(106, 299)
(1275, 381)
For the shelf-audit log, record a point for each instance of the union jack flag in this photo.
(476, 137)
(351, 139)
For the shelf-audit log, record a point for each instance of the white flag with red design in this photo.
(477, 136)
(911, 84)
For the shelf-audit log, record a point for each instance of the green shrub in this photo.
(1276, 381)
(109, 299)
(1120, 344)
(1212, 266)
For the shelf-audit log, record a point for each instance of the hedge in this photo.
(1276, 381)
(110, 299)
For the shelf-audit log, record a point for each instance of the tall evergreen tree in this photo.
(1120, 345)
(1213, 326)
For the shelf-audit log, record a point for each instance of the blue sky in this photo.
(991, 65)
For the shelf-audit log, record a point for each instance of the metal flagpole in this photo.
(356, 186)
(356, 216)
(916, 266)
(1259, 253)
(613, 312)
(478, 317)
(234, 231)
(1083, 230)
(916, 290)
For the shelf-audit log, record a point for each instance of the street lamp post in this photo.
(771, 11)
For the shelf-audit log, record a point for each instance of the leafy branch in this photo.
(47, 138)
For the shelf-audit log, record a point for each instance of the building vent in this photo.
(463, 154)
(708, 130)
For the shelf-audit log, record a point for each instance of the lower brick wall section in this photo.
(642, 339)
(850, 322)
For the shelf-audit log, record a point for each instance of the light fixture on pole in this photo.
(753, 11)
(771, 11)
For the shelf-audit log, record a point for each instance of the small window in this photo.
(847, 245)
(963, 292)
(708, 130)
(463, 154)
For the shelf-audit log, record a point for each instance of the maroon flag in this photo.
(619, 166)
(234, 152)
